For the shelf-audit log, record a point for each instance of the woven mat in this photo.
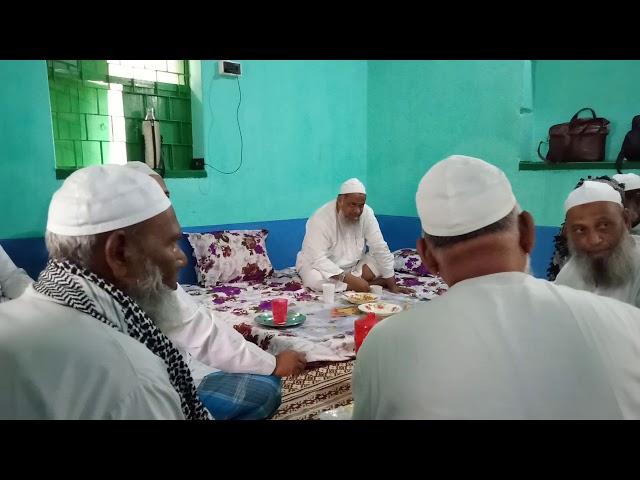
(321, 387)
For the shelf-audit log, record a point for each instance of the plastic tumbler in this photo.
(279, 309)
(362, 327)
(328, 292)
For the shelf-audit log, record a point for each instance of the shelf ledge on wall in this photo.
(540, 165)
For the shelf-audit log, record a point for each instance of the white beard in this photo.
(346, 221)
(157, 300)
(612, 271)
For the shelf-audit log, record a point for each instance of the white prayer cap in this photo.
(353, 185)
(142, 168)
(590, 192)
(462, 194)
(103, 198)
(631, 180)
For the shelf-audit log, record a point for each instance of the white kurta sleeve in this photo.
(317, 245)
(13, 280)
(215, 343)
(378, 248)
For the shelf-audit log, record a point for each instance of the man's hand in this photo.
(289, 363)
(398, 289)
(394, 288)
(356, 284)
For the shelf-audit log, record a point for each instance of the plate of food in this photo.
(293, 319)
(358, 298)
(345, 311)
(380, 308)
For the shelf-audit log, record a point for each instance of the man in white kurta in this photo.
(605, 257)
(499, 344)
(214, 343)
(210, 346)
(74, 345)
(335, 245)
(13, 280)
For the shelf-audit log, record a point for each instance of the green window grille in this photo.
(98, 106)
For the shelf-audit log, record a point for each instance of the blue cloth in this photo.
(240, 396)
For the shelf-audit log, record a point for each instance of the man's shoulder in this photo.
(61, 333)
(328, 207)
(534, 298)
(38, 337)
(324, 212)
(592, 306)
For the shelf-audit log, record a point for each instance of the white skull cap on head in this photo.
(353, 185)
(103, 198)
(462, 194)
(590, 192)
(142, 168)
(631, 180)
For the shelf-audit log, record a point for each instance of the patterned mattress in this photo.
(321, 337)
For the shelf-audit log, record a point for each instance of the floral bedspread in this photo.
(321, 337)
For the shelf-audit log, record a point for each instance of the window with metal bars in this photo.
(98, 106)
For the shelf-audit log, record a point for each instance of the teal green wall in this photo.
(303, 126)
(420, 112)
(304, 131)
(307, 125)
(27, 163)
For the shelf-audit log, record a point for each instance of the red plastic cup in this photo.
(362, 327)
(279, 309)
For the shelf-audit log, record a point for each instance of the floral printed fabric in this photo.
(407, 260)
(321, 337)
(231, 256)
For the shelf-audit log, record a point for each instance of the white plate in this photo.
(359, 298)
(380, 308)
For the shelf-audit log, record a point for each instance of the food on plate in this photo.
(361, 297)
(380, 308)
(344, 311)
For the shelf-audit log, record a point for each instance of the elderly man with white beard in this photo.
(236, 379)
(343, 243)
(77, 344)
(605, 257)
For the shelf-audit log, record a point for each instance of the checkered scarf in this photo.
(86, 292)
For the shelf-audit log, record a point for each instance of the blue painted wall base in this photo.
(283, 243)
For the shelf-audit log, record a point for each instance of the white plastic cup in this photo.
(328, 292)
(377, 289)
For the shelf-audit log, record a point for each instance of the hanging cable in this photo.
(239, 127)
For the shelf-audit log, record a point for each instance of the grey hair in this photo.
(78, 250)
(502, 225)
